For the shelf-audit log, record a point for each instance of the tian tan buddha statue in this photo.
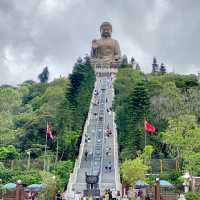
(105, 49)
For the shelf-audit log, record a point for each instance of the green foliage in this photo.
(192, 196)
(78, 95)
(172, 176)
(12, 175)
(131, 110)
(146, 155)
(183, 135)
(133, 170)
(51, 183)
(5, 174)
(160, 98)
(27, 177)
(25, 110)
(194, 163)
(63, 170)
(8, 153)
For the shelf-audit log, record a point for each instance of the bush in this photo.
(63, 170)
(27, 177)
(8, 153)
(192, 196)
(171, 176)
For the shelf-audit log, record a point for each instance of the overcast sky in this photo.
(35, 33)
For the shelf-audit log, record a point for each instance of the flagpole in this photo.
(45, 150)
(145, 138)
(57, 151)
(145, 133)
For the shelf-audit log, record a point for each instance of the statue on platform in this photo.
(106, 49)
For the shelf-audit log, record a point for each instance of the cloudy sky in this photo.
(35, 33)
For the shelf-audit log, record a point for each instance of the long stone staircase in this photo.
(102, 150)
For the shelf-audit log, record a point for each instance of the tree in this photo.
(124, 60)
(8, 153)
(183, 135)
(51, 185)
(167, 103)
(132, 60)
(155, 67)
(139, 102)
(27, 177)
(192, 196)
(44, 76)
(133, 170)
(137, 67)
(146, 155)
(162, 69)
(63, 170)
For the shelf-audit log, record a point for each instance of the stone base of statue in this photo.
(92, 193)
(105, 66)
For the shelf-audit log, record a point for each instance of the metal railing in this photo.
(116, 158)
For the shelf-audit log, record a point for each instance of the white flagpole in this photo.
(57, 151)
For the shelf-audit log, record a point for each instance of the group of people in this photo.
(87, 154)
(87, 138)
(108, 151)
(107, 195)
(95, 101)
(109, 110)
(108, 132)
(108, 167)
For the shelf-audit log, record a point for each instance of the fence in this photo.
(31, 164)
(162, 165)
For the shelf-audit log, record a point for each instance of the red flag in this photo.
(49, 131)
(149, 127)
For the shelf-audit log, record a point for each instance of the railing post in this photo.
(19, 191)
(157, 189)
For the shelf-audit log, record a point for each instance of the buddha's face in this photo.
(106, 31)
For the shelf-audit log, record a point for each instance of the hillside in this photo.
(25, 111)
(171, 103)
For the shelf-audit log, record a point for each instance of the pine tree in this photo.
(155, 66)
(162, 69)
(137, 67)
(79, 60)
(44, 76)
(124, 60)
(132, 61)
(87, 60)
(138, 108)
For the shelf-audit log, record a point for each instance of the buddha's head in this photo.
(106, 29)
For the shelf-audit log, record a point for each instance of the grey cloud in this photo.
(34, 33)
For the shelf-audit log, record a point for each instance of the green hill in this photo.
(24, 113)
(170, 102)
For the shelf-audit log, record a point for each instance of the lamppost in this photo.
(186, 183)
(29, 159)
